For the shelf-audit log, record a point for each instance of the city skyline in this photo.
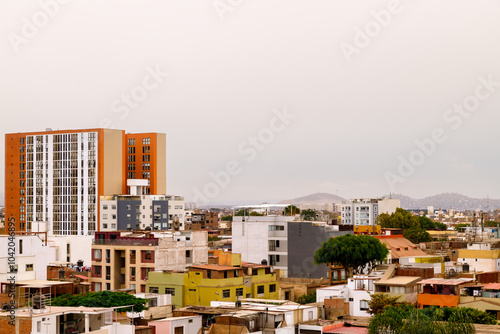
(268, 111)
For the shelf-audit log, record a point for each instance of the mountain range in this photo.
(443, 201)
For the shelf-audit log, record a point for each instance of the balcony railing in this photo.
(126, 242)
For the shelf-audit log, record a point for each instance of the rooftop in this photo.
(440, 281)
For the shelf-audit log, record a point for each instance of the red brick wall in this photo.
(22, 324)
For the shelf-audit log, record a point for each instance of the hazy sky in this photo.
(360, 81)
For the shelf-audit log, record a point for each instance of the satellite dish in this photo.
(176, 224)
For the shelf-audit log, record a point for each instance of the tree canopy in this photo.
(408, 319)
(380, 301)
(308, 214)
(291, 210)
(102, 299)
(404, 318)
(414, 227)
(356, 253)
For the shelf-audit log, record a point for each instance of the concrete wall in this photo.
(251, 237)
(191, 324)
(79, 246)
(171, 250)
(304, 238)
(113, 161)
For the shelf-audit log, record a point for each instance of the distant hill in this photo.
(447, 201)
(444, 201)
(318, 198)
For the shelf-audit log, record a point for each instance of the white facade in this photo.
(189, 324)
(61, 182)
(176, 207)
(31, 258)
(108, 215)
(251, 236)
(98, 320)
(366, 210)
(72, 248)
(357, 292)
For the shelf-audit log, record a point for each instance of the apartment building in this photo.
(32, 255)
(122, 260)
(365, 211)
(59, 176)
(125, 212)
(283, 243)
(176, 207)
(228, 280)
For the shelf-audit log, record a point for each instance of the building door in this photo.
(179, 330)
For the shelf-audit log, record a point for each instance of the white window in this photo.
(363, 305)
(104, 216)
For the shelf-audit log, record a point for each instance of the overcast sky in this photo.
(360, 81)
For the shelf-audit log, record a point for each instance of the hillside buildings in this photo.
(59, 176)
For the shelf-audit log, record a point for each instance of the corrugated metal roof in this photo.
(492, 286)
(457, 281)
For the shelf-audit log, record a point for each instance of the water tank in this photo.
(62, 273)
(38, 301)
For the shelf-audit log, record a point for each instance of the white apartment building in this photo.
(282, 242)
(31, 258)
(61, 182)
(176, 206)
(357, 292)
(365, 211)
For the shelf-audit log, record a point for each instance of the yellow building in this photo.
(229, 280)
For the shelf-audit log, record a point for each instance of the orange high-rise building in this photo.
(58, 176)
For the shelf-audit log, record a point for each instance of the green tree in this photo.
(426, 224)
(408, 319)
(411, 224)
(307, 299)
(308, 214)
(400, 219)
(461, 226)
(291, 210)
(247, 212)
(417, 235)
(227, 218)
(102, 299)
(491, 223)
(356, 253)
(380, 301)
